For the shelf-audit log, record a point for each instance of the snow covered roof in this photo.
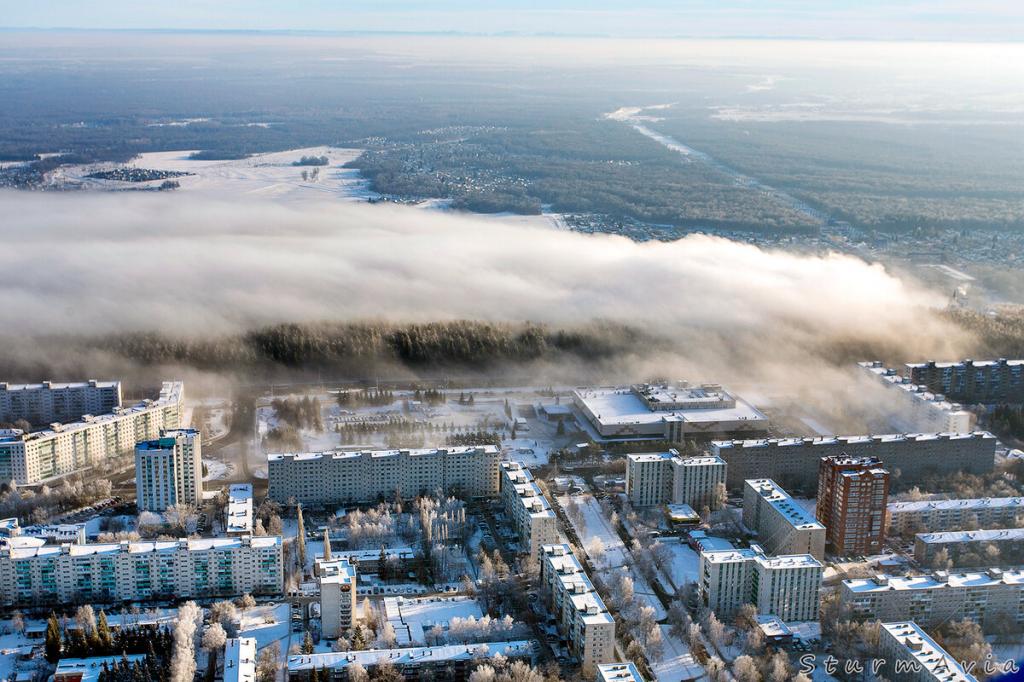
(958, 536)
(355, 454)
(782, 502)
(937, 580)
(240, 659)
(618, 672)
(411, 656)
(918, 646)
(967, 503)
(196, 545)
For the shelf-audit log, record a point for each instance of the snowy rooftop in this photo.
(780, 500)
(166, 441)
(413, 618)
(893, 379)
(339, 454)
(529, 493)
(958, 536)
(87, 669)
(920, 647)
(967, 503)
(618, 672)
(627, 406)
(197, 545)
(773, 626)
(577, 584)
(337, 570)
(963, 364)
(58, 386)
(239, 508)
(937, 580)
(240, 659)
(841, 440)
(410, 657)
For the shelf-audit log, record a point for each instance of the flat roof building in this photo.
(910, 654)
(785, 586)
(972, 381)
(941, 515)
(169, 470)
(534, 520)
(240, 659)
(619, 672)
(918, 409)
(782, 525)
(239, 509)
(665, 412)
(970, 548)
(666, 478)
(50, 401)
(852, 495)
(336, 579)
(318, 479)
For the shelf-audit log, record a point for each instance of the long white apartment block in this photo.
(328, 478)
(240, 659)
(989, 597)
(782, 525)
(50, 401)
(579, 610)
(140, 571)
(917, 408)
(239, 509)
(784, 586)
(667, 478)
(534, 520)
(967, 547)
(336, 579)
(169, 470)
(910, 654)
(794, 461)
(29, 458)
(945, 515)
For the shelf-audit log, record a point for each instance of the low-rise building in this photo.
(991, 598)
(450, 662)
(666, 478)
(239, 509)
(169, 470)
(782, 525)
(532, 517)
(29, 458)
(971, 548)
(619, 672)
(140, 571)
(784, 586)
(579, 610)
(90, 669)
(240, 659)
(320, 479)
(910, 654)
(932, 516)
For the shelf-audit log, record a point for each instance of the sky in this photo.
(946, 20)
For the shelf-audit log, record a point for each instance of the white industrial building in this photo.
(666, 412)
(942, 515)
(911, 654)
(531, 513)
(140, 571)
(784, 586)
(667, 478)
(579, 610)
(50, 401)
(917, 408)
(29, 458)
(330, 478)
(239, 509)
(782, 525)
(169, 470)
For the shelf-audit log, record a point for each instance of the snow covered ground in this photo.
(268, 623)
(685, 564)
(217, 470)
(677, 663)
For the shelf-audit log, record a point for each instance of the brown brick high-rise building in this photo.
(852, 497)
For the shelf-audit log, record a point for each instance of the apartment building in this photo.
(169, 470)
(915, 408)
(49, 401)
(784, 586)
(991, 598)
(140, 571)
(971, 547)
(782, 526)
(452, 662)
(579, 610)
(336, 579)
(238, 519)
(972, 381)
(240, 659)
(619, 672)
(319, 479)
(910, 654)
(29, 458)
(930, 516)
(794, 461)
(531, 513)
(666, 478)
(852, 497)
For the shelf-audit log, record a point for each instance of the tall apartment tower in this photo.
(852, 496)
(169, 470)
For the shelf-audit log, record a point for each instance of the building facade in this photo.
(579, 610)
(794, 461)
(49, 401)
(666, 478)
(990, 598)
(931, 516)
(782, 526)
(783, 586)
(331, 478)
(169, 470)
(915, 408)
(972, 381)
(971, 548)
(140, 571)
(910, 654)
(28, 458)
(336, 579)
(532, 517)
(852, 496)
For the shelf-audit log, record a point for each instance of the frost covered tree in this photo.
(183, 656)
